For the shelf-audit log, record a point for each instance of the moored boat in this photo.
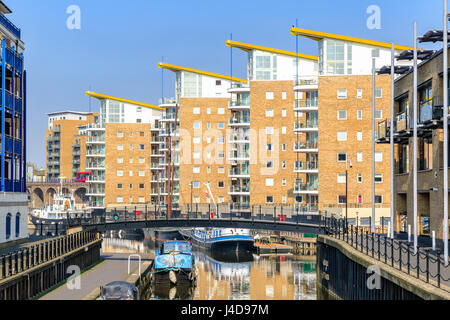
(174, 263)
(225, 239)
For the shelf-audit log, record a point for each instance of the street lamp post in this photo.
(346, 191)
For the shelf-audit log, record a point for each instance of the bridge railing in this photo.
(147, 213)
(426, 264)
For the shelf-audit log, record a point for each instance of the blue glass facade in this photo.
(13, 111)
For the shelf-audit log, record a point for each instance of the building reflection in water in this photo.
(229, 276)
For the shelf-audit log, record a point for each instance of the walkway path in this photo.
(114, 268)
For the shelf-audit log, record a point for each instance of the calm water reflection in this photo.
(231, 277)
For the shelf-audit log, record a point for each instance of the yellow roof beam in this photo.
(317, 36)
(100, 96)
(249, 47)
(175, 68)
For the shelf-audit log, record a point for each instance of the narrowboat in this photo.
(119, 290)
(236, 240)
(174, 263)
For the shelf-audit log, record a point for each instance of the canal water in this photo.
(227, 276)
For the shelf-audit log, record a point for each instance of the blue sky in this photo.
(120, 43)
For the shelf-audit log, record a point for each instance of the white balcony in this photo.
(307, 84)
(239, 88)
(306, 106)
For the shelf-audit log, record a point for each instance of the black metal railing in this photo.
(425, 264)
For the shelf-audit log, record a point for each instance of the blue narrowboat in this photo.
(174, 263)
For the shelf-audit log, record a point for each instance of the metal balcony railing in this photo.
(313, 165)
(305, 187)
(306, 145)
(239, 189)
(429, 112)
(383, 130)
(402, 121)
(306, 103)
(240, 120)
(307, 124)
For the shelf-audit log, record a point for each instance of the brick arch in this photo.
(49, 195)
(80, 195)
(37, 198)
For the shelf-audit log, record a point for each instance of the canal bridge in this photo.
(42, 193)
(110, 221)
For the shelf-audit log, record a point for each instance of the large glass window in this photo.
(335, 57)
(262, 62)
(114, 111)
(192, 85)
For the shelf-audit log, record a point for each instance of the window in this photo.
(218, 82)
(342, 157)
(196, 110)
(8, 226)
(378, 199)
(131, 187)
(269, 199)
(283, 130)
(283, 199)
(342, 199)
(139, 109)
(119, 199)
(378, 178)
(197, 125)
(208, 170)
(378, 93)
(269, 95)
(196, 184)
(221, 111)
(378, 156)
(208, 125)
(269, 113)
(221, 125)
(119, 186)
(120, 134)
(283, 182)
(359, 114)
(342, 136)
(269, 147)
(342, 94)
(208, 110)
(359, 157)
(131, 160)
(221, 170)
(208, 140)
(359, 93)
(341, 178)
(141, 199)
(196, 199)
(120, 147)
(378, 114)
(131, 147)
(221, 184)
(342, 115)
(220, 199)
(119, 173)
(359, 136)
(142, 147)
(196, 140)
(138, 120)
(141, 173)
(131, 173)
(283, 147)
(196, 170)
(119, 160)
(283, 113)
(17, 225)
(196, 155)
(283, 95)
(141, 186)
(359, 178)
(269, 130)
(141, 133)
(141, 160)
(269, 164)
(283, 164)
(269, 182)
(220, 155)
(220, 140)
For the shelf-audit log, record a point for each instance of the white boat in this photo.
(228, 239)
(63, 207)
